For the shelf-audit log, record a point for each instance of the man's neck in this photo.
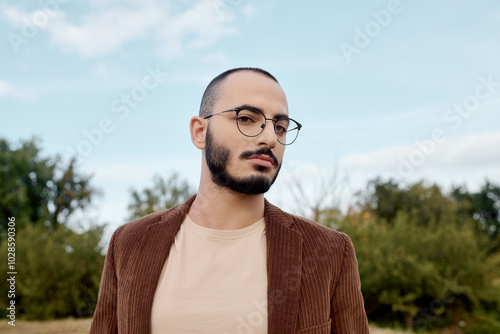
(223, 209)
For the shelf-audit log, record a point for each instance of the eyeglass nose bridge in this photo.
(263, 125)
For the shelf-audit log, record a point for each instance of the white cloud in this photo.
(470, 151)
(103, 32)
(465, 157)
(29, 20)
(9, 90)
(12, 14)
(194, 29)
(109, 25)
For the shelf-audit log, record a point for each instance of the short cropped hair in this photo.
(212, 92)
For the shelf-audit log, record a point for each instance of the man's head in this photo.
(244, 164)
(212, 92)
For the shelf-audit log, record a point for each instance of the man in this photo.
(227, 261)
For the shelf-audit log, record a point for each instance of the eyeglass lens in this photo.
(251, 123)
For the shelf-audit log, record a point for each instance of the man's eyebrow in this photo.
(255, 109)
(250, 108)
(278, 116)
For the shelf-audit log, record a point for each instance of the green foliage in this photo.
(164, 194)
(430, 273)
(420, 256)
(58, 272)
(483, 206)
(484, 323)
(39, 190)
(385, 199)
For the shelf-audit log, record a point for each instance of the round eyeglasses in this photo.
(251, 122)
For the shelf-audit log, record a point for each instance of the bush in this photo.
(58, 272)
(484, 323)
(432, 276)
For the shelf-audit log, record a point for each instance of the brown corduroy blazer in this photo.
(313, 280)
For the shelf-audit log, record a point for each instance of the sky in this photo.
(408, 90)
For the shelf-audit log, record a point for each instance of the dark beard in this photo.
(217, 157)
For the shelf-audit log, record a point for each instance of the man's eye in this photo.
(280, 129)
(245, 119)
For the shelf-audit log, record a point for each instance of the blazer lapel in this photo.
(149, 261)
(284, 268)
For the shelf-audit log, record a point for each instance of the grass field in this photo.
(64, 326)
(81, 326)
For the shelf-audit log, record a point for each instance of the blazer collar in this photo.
(284, 267)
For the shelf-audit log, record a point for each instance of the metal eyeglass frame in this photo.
(275, 121)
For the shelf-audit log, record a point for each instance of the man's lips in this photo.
(262, 160)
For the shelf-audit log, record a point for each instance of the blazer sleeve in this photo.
(105, 315)
(347, 307)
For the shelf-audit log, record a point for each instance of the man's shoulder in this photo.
(142, 222)
(313, 230)
(319, 241)
(135, 230)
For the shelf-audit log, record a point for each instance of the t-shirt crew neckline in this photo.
(224, 234)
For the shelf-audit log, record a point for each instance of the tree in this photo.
(39, 190)
(433, 275)
(59, 269)
(384, 199)
(164, 194)
(421, 257)
(483, 206)
(321, 202)
(58, 272)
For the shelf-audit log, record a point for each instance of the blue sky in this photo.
(403, 89)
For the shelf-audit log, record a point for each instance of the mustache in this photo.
(261, 151)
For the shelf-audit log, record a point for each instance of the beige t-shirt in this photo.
(214, 281)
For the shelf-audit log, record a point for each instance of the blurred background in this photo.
(399, 102)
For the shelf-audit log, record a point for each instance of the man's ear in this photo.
(198, 128)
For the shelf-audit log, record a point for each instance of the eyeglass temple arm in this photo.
(208, 116)
(299, 126)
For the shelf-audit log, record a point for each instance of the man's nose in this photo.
(268, 136)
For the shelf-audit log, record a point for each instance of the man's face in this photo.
(248, 165)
